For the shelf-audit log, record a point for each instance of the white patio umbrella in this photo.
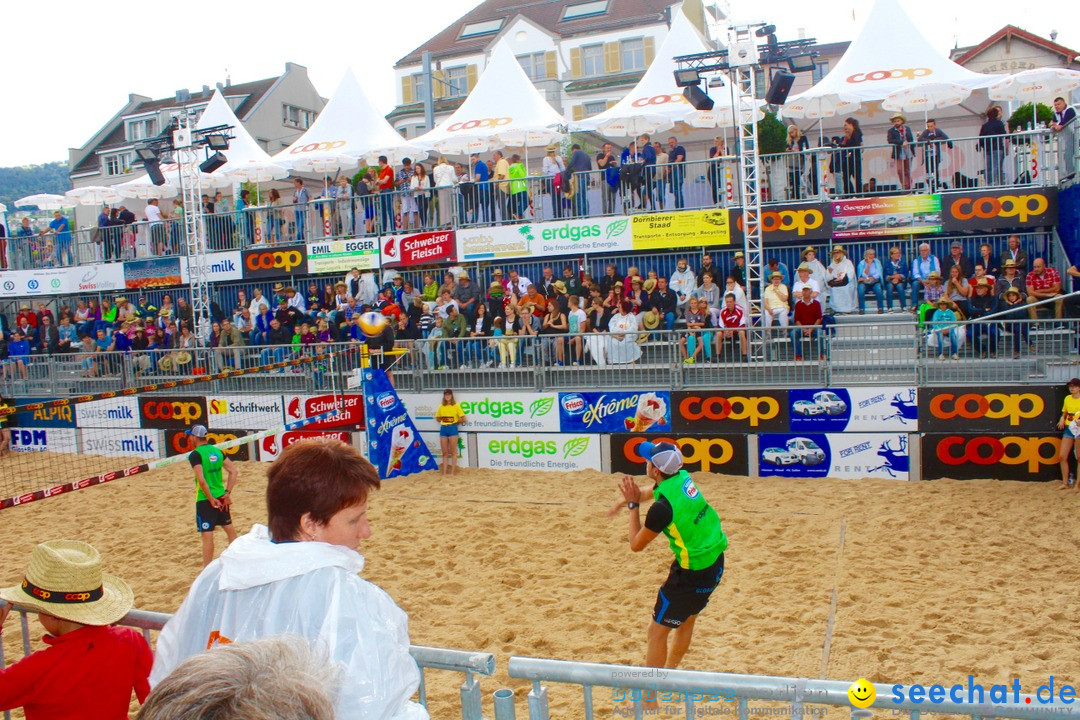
(143, 189)
(94, 195)
(1037, 84)
(821, 106)
(324, 162)
(925, 97)
(45, 201)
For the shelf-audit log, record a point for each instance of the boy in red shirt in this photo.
(807, 315)
(88, 669)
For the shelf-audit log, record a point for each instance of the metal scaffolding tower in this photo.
(749, 169)
(187, 157)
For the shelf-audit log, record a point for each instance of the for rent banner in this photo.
(883, 216)
(840, 455)
(858, 409)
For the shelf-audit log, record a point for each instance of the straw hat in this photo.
(649, 285)
(803, 266)
(279, 287)
(181, 358)
(740, 254)
(651, 319)
(898, 115)
(165, 311)
(497, 271)
(943, 301)
(340, 283)
(496, 288)
(934, 274)
(983, 282)
(839, 249)
(776, 273)
(560, 287)
(463, 275)
(636, 280)
(809, 249)
(64, 579)
(1010, 263)
(165, 363)
(552, 148)
(1012, 291)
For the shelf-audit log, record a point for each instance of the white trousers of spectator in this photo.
(776, 315)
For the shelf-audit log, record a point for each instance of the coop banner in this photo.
(394, 444)
(883, 216)
(350, 409)
(706, 411)
(538, 451)
(976, 409)
(689, 228)
(271, 446)
(178, 442)
(40, 414)
(247, 412)
(615, 412)
(428, 248)
(840, 455)
(275, 262)
(41, 439)
(994, 209)
(545, 239)
(343, 255)
(986, 456)
(172, 411)
(489, 411)
(783, 224)
(701, 453)
(122, 443)
(859, 409)
(153, 273)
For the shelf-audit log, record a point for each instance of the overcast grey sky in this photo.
(69, 65)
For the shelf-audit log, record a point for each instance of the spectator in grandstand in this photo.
(1014, 314)
(623, 347)
(479, 330)
(86, 357)
(1010, 278)
(552, 329)
(596, 325)
(1044, 283)
(534, 304)
(775, 301)
(275, 677)
(18, 355)
(508, 341)
(870, 275)
(444, 302)
(573, 283)
(48, 336)
(87, 669)
(848, 162)
(803, 279)
(933, 139)
(901, 138)
(518, 283)
(738, 269)
(944, 331)
(921, 268)
(992, 143)
(807, 318)
(638, 297)
(957, 257)
(317, 500)
(611, 276)
(980, 274)
(983, 303)
(68, 336)
(934, 290)
(683, 282)
(958, 290)
(842, 280)
(665, 302)
(467, 296)
(231, 338)
(454, 326)
(708, 292)
(691, 343)
(431, 288)
(26, 316)
(576, 186)
(733, 288)
(895, 272)
(989, 261)
(774, 265)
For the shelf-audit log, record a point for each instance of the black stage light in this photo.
(213, 162)
(697, 98)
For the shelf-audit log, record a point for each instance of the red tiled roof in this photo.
(1013, 31)
(545, 13)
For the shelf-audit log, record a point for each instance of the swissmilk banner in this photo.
(395, 447)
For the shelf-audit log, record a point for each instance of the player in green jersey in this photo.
(213, 500)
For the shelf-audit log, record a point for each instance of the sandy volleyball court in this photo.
(933, 580)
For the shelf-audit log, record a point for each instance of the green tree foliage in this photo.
(771, 135)
(1022, 117)
(17, 182)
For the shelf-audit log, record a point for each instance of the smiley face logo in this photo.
(861, 694)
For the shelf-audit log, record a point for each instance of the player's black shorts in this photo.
(686, 592)
(208, 517)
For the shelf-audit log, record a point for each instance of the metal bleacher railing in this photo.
(1036, 158)
(470, 664)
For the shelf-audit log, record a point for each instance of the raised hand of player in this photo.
(630, 490)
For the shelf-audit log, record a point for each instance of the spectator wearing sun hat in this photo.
(88, 669)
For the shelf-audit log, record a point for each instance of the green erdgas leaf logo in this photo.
(616, 227)
(539, 408)
(575, 447)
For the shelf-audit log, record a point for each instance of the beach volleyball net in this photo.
(61, 445)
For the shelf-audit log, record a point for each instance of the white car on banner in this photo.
(529, 451)
(489, 411)
(851, 456)
(856, 409)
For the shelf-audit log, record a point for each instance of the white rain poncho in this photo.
(258, 588)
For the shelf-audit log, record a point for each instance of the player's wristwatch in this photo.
(632, 505)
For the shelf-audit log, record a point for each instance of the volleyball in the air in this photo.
(372, 323)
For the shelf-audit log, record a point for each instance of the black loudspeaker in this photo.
(697, 97)
(781, 86)
(213, 162)
(153, 170)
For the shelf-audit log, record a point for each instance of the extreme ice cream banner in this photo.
(394, 444)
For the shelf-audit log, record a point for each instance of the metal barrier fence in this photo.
(470, 664)
(705, 693)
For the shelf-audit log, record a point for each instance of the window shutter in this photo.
(407, 90)
(650, 50)
(551, 68)
(575, 62)
(438, 89)
(611, 58)
(470, 77)
(579, 112)
(612, 103)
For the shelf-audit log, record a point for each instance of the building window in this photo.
(419, 87)
(141, 129)
(820, 70)
(295, 117)
(761, 82)
(595, 108)
(573, 12)
(592, 60)
(534, 65)
(481, 28)
(632, 54)
(117, 164)
(457, 82)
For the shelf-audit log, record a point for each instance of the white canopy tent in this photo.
(888, 56)
(348, 127)
(504, 110)
(656, 104)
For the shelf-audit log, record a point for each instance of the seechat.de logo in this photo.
(1007, 450)
(284, 260)
(734, 407)
(1020, 207)
(995, 406)
(185, 412)
(482, 123)
(798, 221)
(894, 74)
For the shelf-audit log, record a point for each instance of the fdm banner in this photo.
(395, 447)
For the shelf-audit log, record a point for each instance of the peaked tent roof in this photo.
(655, 104)
(349, 125)
(890, 54)
(503, 109)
